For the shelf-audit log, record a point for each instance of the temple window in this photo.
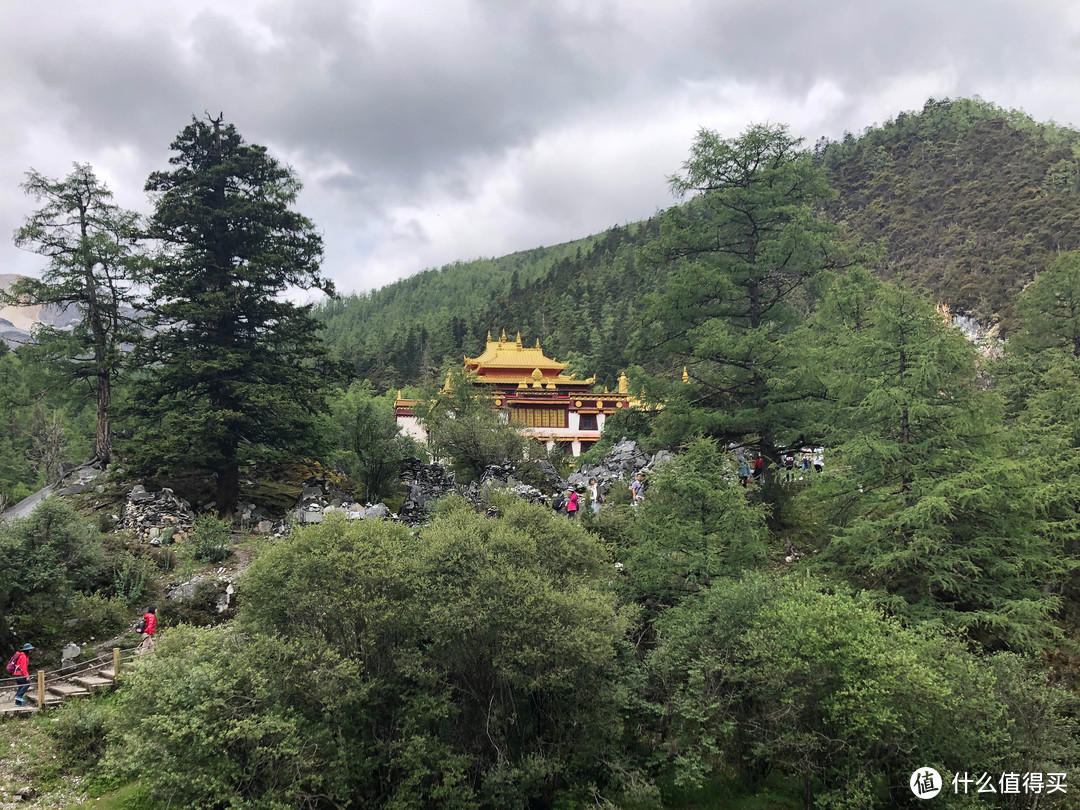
(538, 417)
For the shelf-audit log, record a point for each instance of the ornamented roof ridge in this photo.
(506, 354)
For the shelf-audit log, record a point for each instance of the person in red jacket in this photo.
(149, 627)
(22, 673)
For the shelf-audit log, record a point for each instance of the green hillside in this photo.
(966, 200)
(969, 201)
(580, 297)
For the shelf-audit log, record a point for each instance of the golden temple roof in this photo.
(506, 354)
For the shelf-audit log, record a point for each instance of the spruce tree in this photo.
(229, 367)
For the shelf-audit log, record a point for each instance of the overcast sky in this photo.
(431, 131)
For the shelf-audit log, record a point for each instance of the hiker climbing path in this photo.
(51, 687)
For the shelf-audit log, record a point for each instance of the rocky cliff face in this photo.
(17, 323)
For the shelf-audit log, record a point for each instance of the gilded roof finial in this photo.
(519, 340)
(489, 336)
(503, 338)
(685, 375)
(538, 343)
(624, 384)
(446, 385)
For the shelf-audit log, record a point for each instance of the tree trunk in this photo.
(103, 439)
(228, 491)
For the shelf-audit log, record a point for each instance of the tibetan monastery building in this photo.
(534, 393)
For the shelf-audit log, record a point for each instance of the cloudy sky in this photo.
(427, 131)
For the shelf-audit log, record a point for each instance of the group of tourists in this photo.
(793, 466)
(570, 502)
(18, 665)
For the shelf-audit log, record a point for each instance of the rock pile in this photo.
(501, 477)
(620, 464)
(320, 497)
(426, 483)
(156, 517)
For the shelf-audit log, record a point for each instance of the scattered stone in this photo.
(70, 653)
(26, 794)
(618, 466)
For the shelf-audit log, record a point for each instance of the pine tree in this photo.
(229, 369)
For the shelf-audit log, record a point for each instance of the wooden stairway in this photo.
(52, 687)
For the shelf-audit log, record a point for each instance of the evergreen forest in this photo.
(907, 299)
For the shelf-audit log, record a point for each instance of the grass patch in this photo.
(729, 793)
(130, 797)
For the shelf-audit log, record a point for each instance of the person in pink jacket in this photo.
(148, 626)
(571, 503)
(22, 673)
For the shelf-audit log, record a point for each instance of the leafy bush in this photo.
(98, 616)
(210, 539)
(472, 666)
(129, 577)
(780, 674)
(45, 560)
(79, 729)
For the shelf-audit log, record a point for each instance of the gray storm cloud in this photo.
(430, 131)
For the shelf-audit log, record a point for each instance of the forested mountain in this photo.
(966, 200)
(580, 297)
(969, 201)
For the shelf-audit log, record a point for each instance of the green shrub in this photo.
(783, 675)
(79, 730)
(474, 665)
(210, 539)
(98, 616)
(129, 577)
(45, 560)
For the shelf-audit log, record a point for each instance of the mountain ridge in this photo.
(967, 200)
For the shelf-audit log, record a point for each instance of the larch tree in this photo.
(90, 243)
(231, 366)
(742, 256)
(928, 499)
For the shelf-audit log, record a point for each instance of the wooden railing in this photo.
(64, 674)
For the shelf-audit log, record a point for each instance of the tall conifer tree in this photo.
(742, 254)
(89, 242)
(929, 500)
(229, 375)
